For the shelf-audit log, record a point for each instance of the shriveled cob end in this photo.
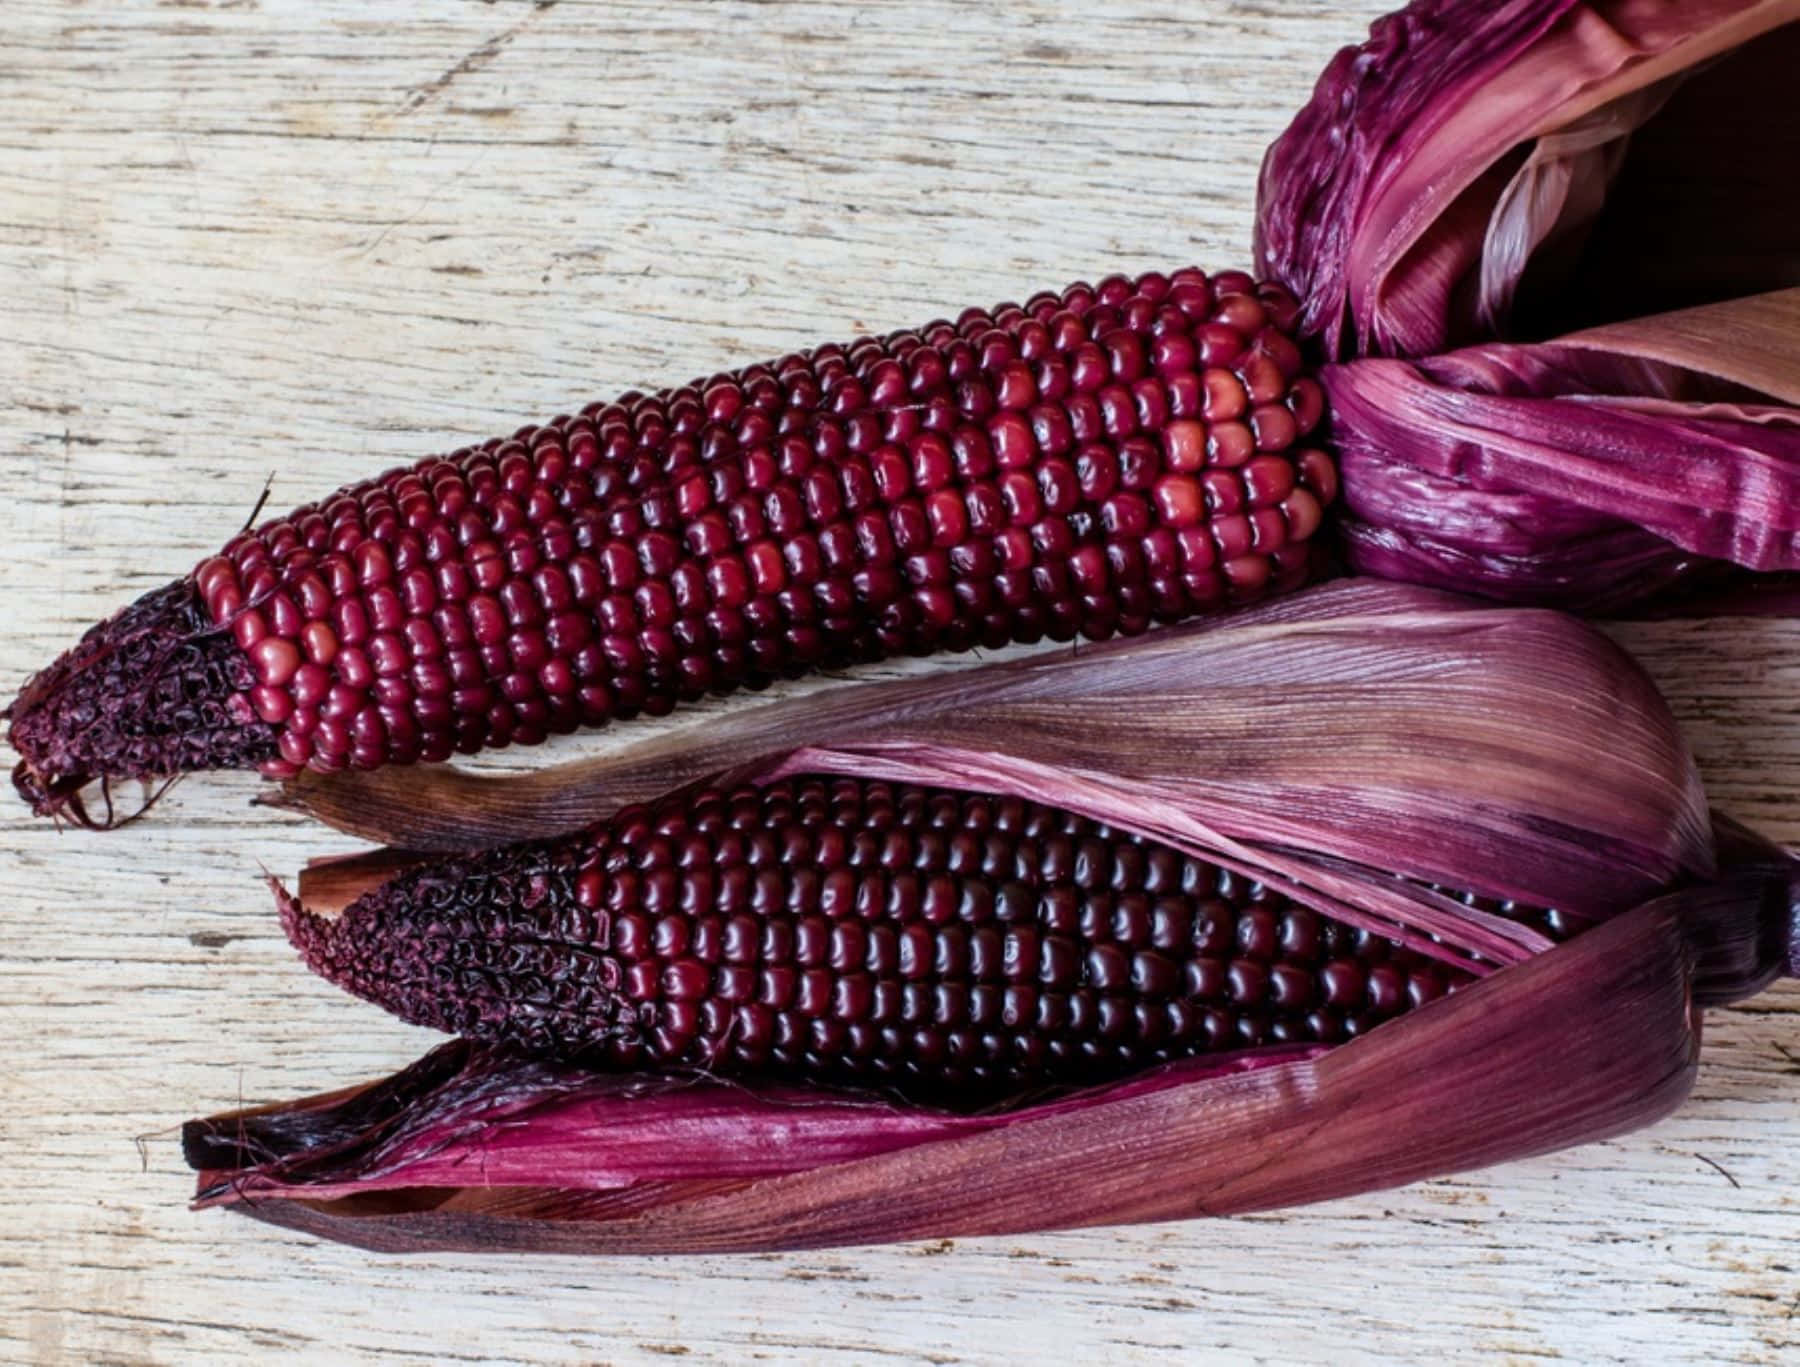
(854, 931)
(156, 690)
(1087, 463)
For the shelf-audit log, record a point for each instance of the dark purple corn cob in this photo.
(1089, 463)
(852, 931)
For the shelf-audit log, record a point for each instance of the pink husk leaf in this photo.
(1373, 899)
(491, 1119)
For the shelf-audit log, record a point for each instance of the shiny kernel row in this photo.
(814, 928)
(1087, 463)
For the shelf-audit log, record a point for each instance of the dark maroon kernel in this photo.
(1342, 981)
(1171, 925)
(1425, 983)
(1215, 928)
(1291, 986)
(732, 932)
(1248, 981)
(670, 938)
(1387, 988)
(1258, 933)
(1108, 967)
(1299, 933)
(1154, 975)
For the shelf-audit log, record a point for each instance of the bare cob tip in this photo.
(464, 945)
(349, 947)
(315, 936)
(153, 692)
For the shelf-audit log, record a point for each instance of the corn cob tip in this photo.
(152, 692)
(348, 946)
(307, 931)
(408, 944)
(351, 949)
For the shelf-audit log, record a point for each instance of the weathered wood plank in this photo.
(307, 238)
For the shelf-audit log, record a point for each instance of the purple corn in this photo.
(854, 931)
(1089, 463)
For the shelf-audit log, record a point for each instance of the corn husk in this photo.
(1322, 744)
(1596, 472)
(1520, 168)
(1551, 245)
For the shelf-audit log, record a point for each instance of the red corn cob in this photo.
(1088, 463)
(851, 930)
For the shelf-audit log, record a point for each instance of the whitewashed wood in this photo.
(308, 238)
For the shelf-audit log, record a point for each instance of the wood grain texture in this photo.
(304, 239)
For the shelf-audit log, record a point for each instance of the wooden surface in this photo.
(311, 238)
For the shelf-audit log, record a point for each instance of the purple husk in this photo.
(1447, 176)
(1563, 474)
(477, 1114)
(1371, 105)
(1518, 173)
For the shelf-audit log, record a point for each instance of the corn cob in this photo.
(1088, 463)
(856, 931)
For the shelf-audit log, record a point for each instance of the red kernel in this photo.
(1185, 443)
(275, 660)
(1230, 444)
(1303, 514)
(1180, 500)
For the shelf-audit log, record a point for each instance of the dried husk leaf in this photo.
(330, 883)
(1327, 740)
(469, 1113)
(1519, 168)
(1594, 472)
